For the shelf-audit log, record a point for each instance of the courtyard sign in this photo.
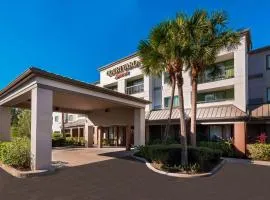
(123, 70)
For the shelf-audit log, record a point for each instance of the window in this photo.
(56, 118)
(166, 78)
(167, 101)
(268, 95)
(268, 62)
(70, 118)
(215, 96)
(218, 71)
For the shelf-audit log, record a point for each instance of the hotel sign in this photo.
(123, 70)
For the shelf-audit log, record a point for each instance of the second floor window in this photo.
(56, 118)
(268, 62)
(167, 101)
(219, 71)
(215, 96)
(135, 86)
(70, 118)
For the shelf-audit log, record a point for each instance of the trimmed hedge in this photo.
(170, 155)
(226, 147)
(59, 141)
(259, 151)
(16, 153)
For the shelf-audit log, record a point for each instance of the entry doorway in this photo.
(114, 136)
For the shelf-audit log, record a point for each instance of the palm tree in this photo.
(156, 57)
(208, 35)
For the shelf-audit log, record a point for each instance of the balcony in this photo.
(135, 89)
(226, 74)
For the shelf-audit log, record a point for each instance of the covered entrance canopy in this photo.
(45, 92)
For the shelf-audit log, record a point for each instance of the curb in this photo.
(246, 161)
(25, 174)
(178, 175)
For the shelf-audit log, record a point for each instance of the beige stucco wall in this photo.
(257, 65)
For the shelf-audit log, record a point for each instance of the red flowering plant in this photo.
(262, 138)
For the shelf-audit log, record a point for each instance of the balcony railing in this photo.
(135, 89)
(228, 73)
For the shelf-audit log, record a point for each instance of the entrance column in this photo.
(41, 128)
(240, 138)
(79, 134)
(88, 136)
(100, 136)
(139, 126)
(71, 133)
(5, 122)
(95, 135)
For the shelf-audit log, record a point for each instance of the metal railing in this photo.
(228, 73)
(135, 89)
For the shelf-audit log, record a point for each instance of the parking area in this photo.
(71, 157)
(115, 176)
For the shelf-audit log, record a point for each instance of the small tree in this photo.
(23, 126)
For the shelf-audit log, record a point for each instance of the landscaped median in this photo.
(166, 159)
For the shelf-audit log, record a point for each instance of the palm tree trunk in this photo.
(167, 130)
(183, 136)
(63, 125)
(193, 111)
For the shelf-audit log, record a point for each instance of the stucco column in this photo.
(139, 126)
(88, 136)
(240, 138)
(71, 132)
(79, 134)
(5, 122)
(95, 135)
(41, 128)
(100, 136)
(128, 139)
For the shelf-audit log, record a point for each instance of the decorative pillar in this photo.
(5, 122)
(95, 135)
(128, 138)
(88, 136)
(41, 128)
(71, 133)
(79, 134)
(100, 136)
(139, 126)
(240, 138)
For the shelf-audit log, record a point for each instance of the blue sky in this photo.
(75, 37)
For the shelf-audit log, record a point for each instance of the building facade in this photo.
(227, 94)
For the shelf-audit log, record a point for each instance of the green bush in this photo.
(170, 140)
(58, 140)
(16, 153)
(259, 151)
(170, 155)
(226, 147)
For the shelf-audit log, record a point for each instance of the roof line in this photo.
(259, 50)
(33, 71)
(117, 61)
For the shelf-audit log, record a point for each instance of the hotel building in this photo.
(233, 98)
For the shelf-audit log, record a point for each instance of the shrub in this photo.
(259, 151)
(170, 155)
(226, 147)
(16, 153)
(170, 140)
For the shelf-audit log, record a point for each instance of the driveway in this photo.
(123, 178)
(70, 157)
